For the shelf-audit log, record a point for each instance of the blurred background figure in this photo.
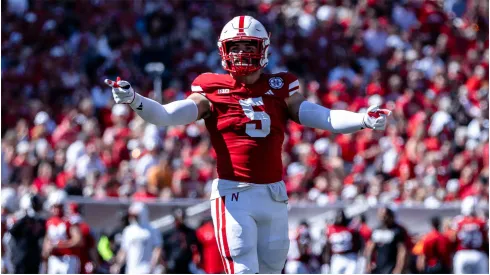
(343, 246)
(63, 241)
(365, 235)
(141, 244)
(28, 233)
(109, 244)
(181, 246)
(470, 233)
(387, 250)
(436, 251)
(9, 206)
(89, 260)
(209, 256)
(299, 250)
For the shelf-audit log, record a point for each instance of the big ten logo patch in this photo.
(276, 82)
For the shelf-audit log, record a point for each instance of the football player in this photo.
(471, 238)
(63, 239)
(245, 112)
(343, 245)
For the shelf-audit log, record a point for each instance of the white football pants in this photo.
(343, 263)
(470, 262)
(296, 267)
(68, 264)
(251, 226)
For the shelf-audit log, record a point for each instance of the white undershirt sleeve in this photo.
(337, 121)
(180, 112)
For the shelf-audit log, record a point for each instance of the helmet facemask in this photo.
(243, 61)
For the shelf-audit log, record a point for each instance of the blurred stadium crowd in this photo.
(61, 129)
(425, 60)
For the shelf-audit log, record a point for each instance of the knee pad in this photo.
(272, 262)
(244, 258)
(242, 249)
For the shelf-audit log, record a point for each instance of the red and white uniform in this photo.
(471, 243)
(83, 253)
(61, 260)
(249, 199)
(247, 124)
(298, 260)
(344, 245)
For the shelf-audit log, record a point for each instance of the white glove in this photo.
(121, 91)
(376, 118)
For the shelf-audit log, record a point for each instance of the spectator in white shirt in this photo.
(429, 63)
(404, 17)
(342, 71)
(90, 162)
(150, 159)
(141, 244)
(375, 38)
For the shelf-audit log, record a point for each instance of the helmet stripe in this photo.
(241, 23)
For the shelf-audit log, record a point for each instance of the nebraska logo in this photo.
(223, 91)
(276, 82)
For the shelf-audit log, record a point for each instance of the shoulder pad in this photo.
(208, 82)
(291, 82)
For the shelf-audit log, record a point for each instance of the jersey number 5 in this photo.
(263, 117)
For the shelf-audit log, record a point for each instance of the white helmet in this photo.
(139, 210)
(25, 202)
(9, 199)
(243, 28)
(468, 206)
(57, 198)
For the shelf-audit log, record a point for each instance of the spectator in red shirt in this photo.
(45, 176)
(436, 254)
(142, 193)
(210, 258)
(86, 253)
(364, 230)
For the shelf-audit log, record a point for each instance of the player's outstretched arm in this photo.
(180, 112)
(337, 121)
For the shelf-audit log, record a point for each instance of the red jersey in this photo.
(365, 232)
(57, 229)
(247, 124)
(437, 248)
(471, 233)
(342, 239)
(211, 258)
(83, 252)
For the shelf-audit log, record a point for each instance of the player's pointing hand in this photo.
(121, 90)
(376, 118)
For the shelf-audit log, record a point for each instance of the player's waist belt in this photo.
(222, 187)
